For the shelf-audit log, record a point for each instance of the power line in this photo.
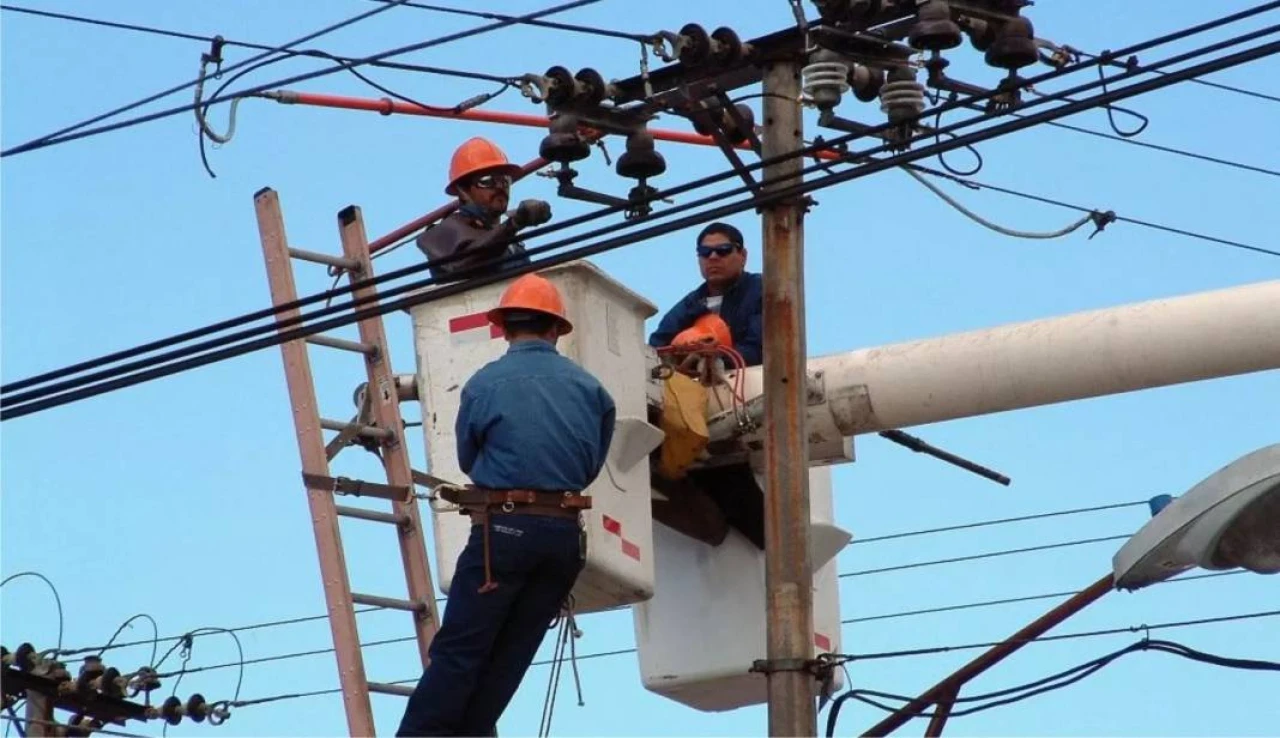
(45, 140)
(998, 521)
(1205, 82)
(437, 41)
(671, 192)
(892, 536)
(56, 598)
(1063, 636)
(1009, 601)
(572, 28)
(988, 555)
(973, 184)
(846, 657)
(1050, 683)
(611, 243)
(464, 74)
(1168, 149)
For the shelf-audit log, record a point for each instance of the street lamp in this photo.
(1229, 520)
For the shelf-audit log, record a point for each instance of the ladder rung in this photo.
(377, 517)
(391, 602)
(342, 343)
(365, 430)
(350, 265)
(404, 690)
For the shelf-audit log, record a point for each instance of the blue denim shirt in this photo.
(534, 419)
(742, 308)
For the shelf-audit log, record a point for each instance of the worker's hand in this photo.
(532, 213)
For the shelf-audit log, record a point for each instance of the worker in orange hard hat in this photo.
(480, 176)
(533, 430)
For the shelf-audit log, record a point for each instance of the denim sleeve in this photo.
(469, 429)
(680, 316)
(751, 341)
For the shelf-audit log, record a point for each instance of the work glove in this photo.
(531, 213)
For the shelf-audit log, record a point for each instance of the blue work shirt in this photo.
(742, 308)
(534, 419)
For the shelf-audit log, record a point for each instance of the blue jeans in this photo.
(487, 641)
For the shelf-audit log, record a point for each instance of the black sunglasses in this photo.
(492, 181)
(722, 250)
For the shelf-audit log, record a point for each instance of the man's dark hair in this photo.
(724, 229)
(528, 321)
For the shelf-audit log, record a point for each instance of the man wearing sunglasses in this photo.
(480, 176)
(728, 289)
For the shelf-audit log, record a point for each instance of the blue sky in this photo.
(180, 497)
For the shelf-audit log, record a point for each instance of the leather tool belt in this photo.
(480, 503)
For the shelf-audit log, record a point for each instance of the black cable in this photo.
(572, 28)
(155, 641)
(1170, 150)
(585, 251)
(680, 189)
(45, 140)
(1205, 82)
(437, 41)
(1055, 681)
(56, 598)
(931, 651)
(999, 521)
(988, 555)
(1119, 218)
(344, 64)
(464, 74)
(845, 657)
(1012, 600)
(238, 629)
(472, 278)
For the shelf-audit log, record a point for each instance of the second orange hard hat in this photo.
(477, 155)
(534, 293)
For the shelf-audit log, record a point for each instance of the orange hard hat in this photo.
(477, 155)
(533, 293)
(709, 328)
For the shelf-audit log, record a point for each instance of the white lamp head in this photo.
(1231, 519)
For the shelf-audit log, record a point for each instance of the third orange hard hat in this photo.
(477, 155)
(707, 328)
(534, 293)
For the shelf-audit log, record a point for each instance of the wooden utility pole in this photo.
(788, 575)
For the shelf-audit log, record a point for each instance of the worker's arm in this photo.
(680, 316)
(751, 343)
(469, 428)
(748, 328)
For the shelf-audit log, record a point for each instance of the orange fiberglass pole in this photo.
(387, 106)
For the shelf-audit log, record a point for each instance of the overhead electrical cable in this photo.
(570, 27)
(1050, 683)
(670, 192)
(59, 135)
(846, 657)
(437, 41)
(289, 52)
(987, 555)
(722, 211)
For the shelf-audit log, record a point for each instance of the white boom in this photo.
(1101, 352)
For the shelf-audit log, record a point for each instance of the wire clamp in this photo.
(1101, 220)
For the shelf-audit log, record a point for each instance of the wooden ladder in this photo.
(379, 425)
